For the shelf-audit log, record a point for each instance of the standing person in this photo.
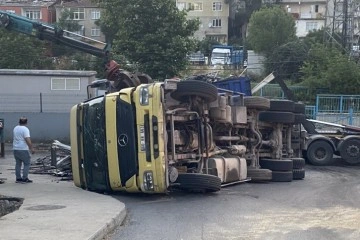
(22, 147)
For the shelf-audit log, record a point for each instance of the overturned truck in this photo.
(183, 134)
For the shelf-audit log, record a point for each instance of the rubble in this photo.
(58, 163)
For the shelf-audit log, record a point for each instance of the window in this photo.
(197, 6)
(216, 23)
(181, 5)
(65, 84)
(314, 8)
(33, 14)
(217, 6)
(95, 14)
(95, 32)
(310, 26)
(78, 13)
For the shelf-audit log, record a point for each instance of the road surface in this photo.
(323, 206)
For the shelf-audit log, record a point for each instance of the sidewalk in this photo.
(54, 209)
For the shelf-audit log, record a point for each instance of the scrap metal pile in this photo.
(58, 163)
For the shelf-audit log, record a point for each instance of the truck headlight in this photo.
(148, 181)
(144, 95)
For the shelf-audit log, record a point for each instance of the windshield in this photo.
(220, 55)
(95, 143)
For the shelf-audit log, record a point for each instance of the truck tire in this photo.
(320, 153)
(299, 118)
(197, 182)
(282, 176)
(299, 108)
(350, 151)
(298, 163)
(282, 105)
(187, 88)
(259, 103)
(298, 174)
(276, 164)
(277, 117)
(259, 175)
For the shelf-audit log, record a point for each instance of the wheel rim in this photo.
(320, 153)
(353, 150)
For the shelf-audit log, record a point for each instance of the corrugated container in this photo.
(239, 84)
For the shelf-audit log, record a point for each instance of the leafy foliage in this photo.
(205, 45)
(270, 28)
(287, 59)
(67, 22)
(155, 35)
(19, 51)
(329, 68)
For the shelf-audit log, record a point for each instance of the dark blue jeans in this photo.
(22, 157)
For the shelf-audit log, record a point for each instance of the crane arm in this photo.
(16, 23)
(119, 78)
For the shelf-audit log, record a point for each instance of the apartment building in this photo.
(86, 13)
(213, 15)
(39, 10)
(309, 14)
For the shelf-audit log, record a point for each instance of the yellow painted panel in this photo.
(111, 141)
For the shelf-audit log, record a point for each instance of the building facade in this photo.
(42, 11)
(86, 14)
(213, 16)
(309, 15)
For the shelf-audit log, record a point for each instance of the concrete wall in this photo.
(44, 127)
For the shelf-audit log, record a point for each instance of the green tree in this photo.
(205, 46)
(329, 68)
(19, 51)
(269, 28)
(66, 21)
(238, 26)
(287, 59)
(155, 35)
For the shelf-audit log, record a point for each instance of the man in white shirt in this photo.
(22, 147)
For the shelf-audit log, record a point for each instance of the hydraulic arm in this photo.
(118, 78)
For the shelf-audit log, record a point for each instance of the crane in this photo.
(117, 77)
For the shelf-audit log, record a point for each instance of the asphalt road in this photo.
(323, 206)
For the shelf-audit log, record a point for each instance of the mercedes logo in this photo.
(123, 140)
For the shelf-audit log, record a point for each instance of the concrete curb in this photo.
(110, 226)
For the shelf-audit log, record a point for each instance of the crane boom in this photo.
(118, 78)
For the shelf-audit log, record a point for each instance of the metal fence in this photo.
(342, 109)
(42, 102)
(337, 103)
(274, 91)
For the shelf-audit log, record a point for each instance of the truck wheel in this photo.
(298, 163)
(320, 153)
(298, 174)
(259, 175)
(282, 176)
(197, 182)
(350, 151)
(276, 117)
(187, 88)
(282, 105)
(299, 118)
(299, 108)
(257, 103)
(276, 164)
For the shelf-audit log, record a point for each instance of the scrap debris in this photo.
(58, 163)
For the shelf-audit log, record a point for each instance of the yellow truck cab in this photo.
(151, 138)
